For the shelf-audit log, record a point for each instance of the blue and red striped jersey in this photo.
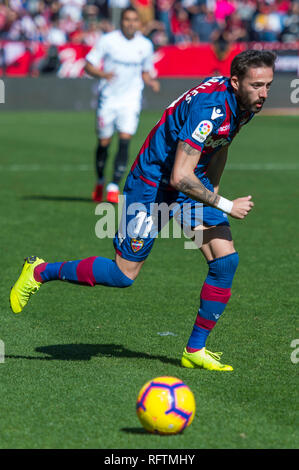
(207, 117)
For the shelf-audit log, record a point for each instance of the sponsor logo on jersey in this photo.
(137, 244)
(213, 143)
(216, 113)
(224, 129)
(202, 131)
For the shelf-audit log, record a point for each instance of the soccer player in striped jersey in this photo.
(180, 164)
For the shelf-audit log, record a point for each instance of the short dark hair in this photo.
(124, 11)
(251, 58)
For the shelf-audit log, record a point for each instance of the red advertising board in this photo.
(19, 59)
(193, 61)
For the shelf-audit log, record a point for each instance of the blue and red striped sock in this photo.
(214, 296)
(89, 271)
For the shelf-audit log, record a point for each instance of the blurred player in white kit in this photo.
(122, 60)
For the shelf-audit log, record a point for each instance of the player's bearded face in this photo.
(252, 90)
(130, 24)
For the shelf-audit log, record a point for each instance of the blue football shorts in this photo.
(149, 206)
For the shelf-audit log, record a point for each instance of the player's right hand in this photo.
(241, 207)
(109, 76)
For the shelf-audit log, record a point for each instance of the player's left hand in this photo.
(241, 207)
(155, 86)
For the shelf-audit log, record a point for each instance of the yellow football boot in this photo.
(204, 359)
(25, 286)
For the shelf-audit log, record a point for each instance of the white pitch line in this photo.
(263, 166)
(84, 167)
(38, 167)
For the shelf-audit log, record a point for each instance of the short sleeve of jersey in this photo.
(97, 53)
(200, 123)
(147, 64)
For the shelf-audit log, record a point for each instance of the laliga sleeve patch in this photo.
(202, 131)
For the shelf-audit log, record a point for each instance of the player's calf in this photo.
(215, 294)
(89, 271)
(121, 159)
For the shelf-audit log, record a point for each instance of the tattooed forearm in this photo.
(188, 149)
(183, 178)
(196, 190)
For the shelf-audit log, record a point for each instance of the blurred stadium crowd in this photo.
(56, 22)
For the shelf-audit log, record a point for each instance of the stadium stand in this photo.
(53, 36)
(164, 21)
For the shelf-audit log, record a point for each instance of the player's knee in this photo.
(232, 262)
(104, 142)
(128, 269)
(125, 281)
(223, 269)
(120, 277)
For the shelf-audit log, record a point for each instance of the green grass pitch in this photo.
(76, 357)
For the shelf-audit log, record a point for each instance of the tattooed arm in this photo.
(183, 178)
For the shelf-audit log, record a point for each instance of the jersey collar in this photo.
(232, 100)
(125, 37)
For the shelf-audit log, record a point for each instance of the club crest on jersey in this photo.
(202, 131)
(137, 244)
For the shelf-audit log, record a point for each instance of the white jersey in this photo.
(127, 59)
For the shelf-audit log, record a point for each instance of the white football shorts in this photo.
(120, 117)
